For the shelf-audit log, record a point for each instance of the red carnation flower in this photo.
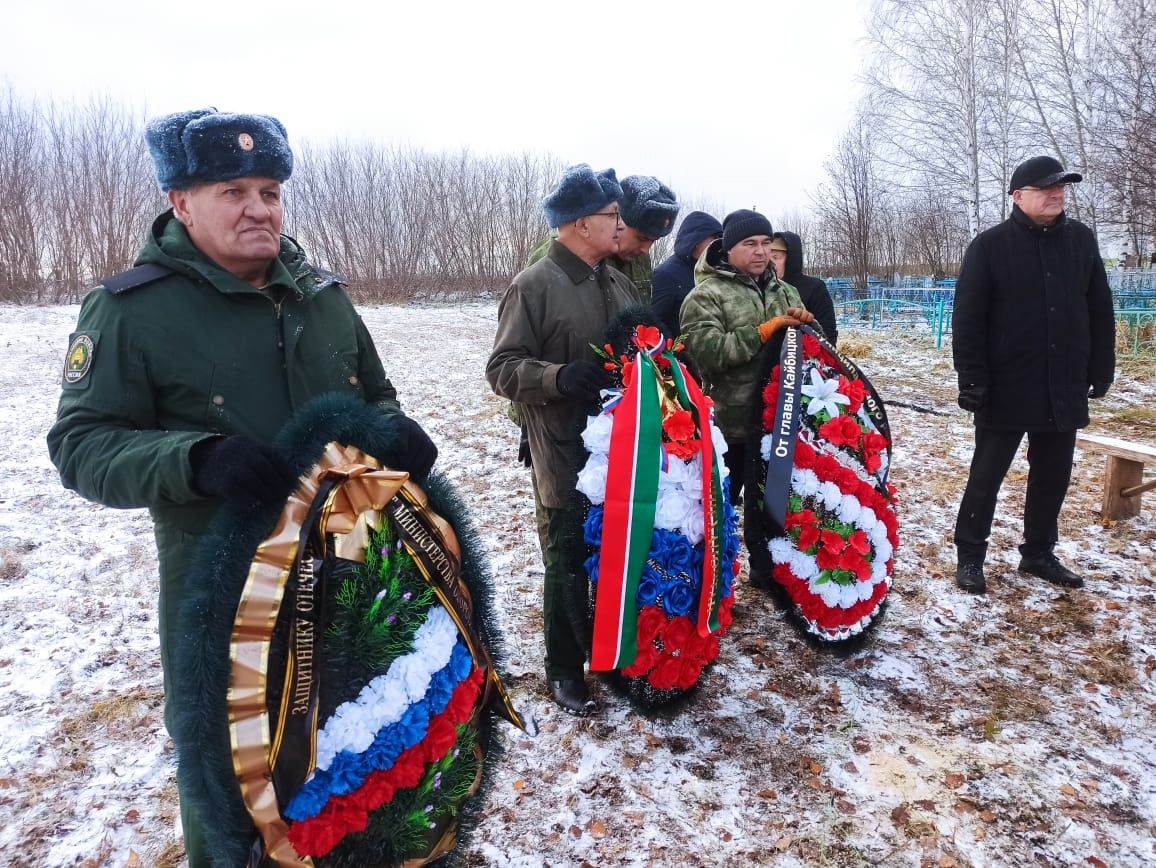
(859, 542)
(827, 559)
(855, 390)
(808, 537)
(832, 541)
(768, 417)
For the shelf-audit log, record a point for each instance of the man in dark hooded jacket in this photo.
(674, 278)
(1033, 338)
(787, 257)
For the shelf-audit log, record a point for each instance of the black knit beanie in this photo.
(743, 224)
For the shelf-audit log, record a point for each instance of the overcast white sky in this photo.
(730, 102)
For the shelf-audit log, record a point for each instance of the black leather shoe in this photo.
(969, 576)
(572, 695)
(1051, 570)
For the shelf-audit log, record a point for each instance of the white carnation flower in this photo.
(765, 446)
(849, 509)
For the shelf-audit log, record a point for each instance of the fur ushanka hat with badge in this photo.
(205, 146)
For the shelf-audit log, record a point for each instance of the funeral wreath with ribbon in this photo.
(660, 532)
(820, 520)
(338, 680)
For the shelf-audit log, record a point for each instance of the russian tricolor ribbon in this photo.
(628, 521)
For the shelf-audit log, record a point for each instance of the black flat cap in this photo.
(1041, 172)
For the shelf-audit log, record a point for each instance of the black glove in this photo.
(412, 450)
(1099, 390)
(524, 449)
(582, 379)
(973, 398)
(241, 470)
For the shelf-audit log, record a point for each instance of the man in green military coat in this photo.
(542, 360)
(182, 370)
(736, 305)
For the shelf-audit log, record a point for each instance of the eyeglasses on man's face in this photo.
(617, 215)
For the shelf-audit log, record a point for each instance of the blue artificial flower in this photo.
(591, 565)
(728, 579)
(649, 586)
(592, 527)
(673, 551)
(677, 597)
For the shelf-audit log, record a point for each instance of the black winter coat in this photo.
(674, 278)
(1033, 321)
(812, 290)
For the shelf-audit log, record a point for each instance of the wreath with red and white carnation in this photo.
(826, 516)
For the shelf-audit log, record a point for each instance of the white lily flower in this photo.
(824, 395)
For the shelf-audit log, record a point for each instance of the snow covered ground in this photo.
(1012, 729)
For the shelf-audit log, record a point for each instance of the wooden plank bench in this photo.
(1123, 473)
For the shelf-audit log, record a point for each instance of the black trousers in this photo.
(736, 459)
(1050, 470)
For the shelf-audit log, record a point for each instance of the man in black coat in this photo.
(674, 278)
(1033, 338)
(787, 257)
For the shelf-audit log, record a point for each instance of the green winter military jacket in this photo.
(720, 319)
(550, 315)
(154, 369)
(638, 271)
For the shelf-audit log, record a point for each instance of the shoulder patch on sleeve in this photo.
(135, 277)
(78, 359)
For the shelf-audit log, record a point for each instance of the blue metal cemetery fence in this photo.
(924, 305)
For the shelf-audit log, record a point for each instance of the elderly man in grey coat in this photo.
(542, 359)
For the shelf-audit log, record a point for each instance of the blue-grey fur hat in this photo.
(580, 192)
(648, 205)
(205, 146)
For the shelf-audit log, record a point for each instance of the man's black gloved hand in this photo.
(412, 449)
(524, 449)
(241, 470)
(1099, 390)
(582, 379)
(973, 398)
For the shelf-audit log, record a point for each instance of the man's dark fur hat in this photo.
(648, 206)
(205, 146)
(1041, 172)
(580, 192)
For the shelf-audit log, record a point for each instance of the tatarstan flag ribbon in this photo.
(628, 520)
(710, 597)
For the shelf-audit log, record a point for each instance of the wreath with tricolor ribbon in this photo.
(660, 530)
(340, 666)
